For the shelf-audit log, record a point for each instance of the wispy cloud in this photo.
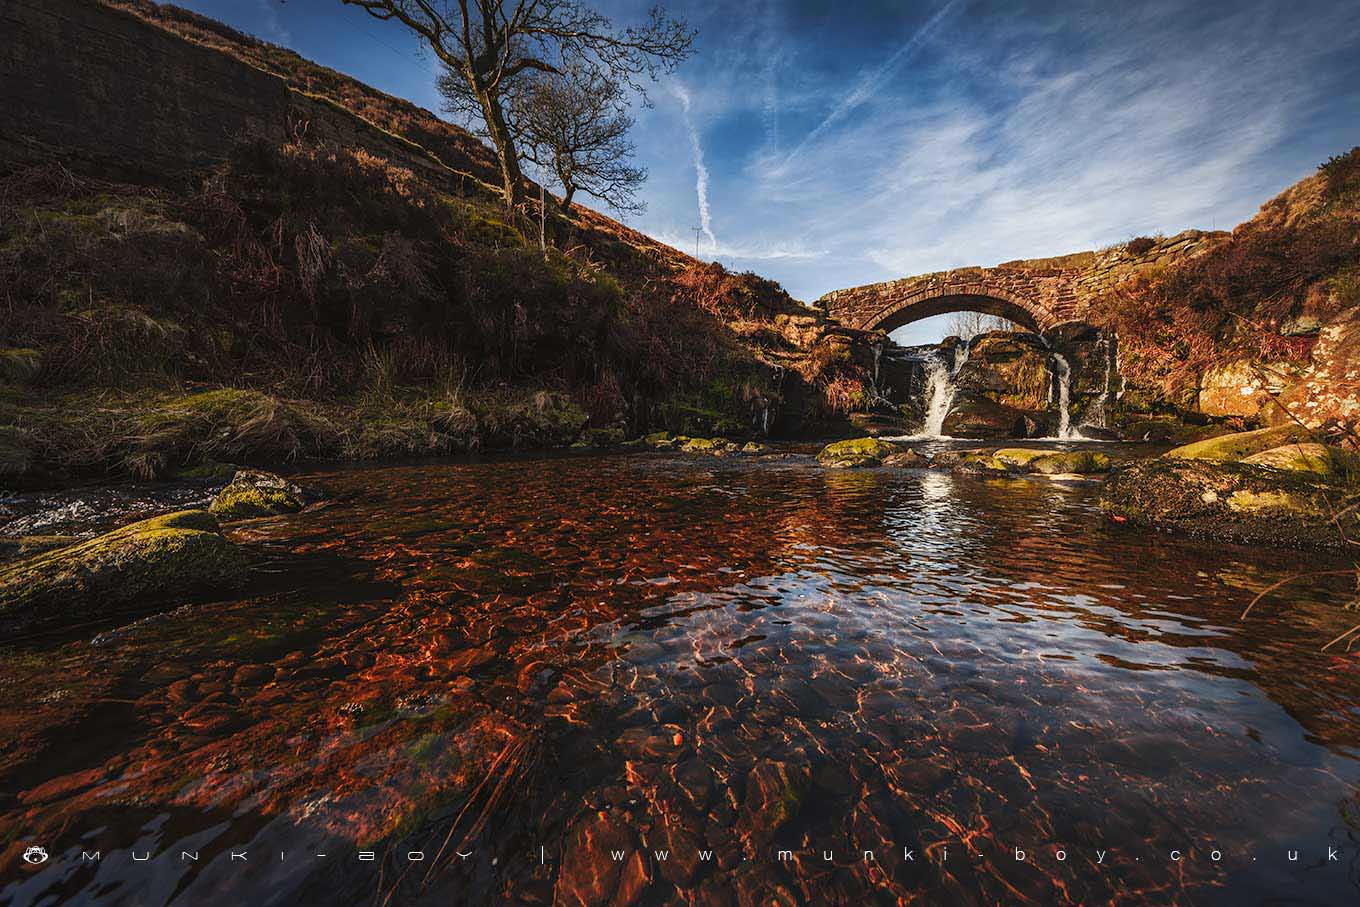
(870, 82)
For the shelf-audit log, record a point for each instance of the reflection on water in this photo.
(519, 668)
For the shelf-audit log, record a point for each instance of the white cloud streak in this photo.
(700, 169)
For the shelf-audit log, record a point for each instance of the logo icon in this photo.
(35, 855)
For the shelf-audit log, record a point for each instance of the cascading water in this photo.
(1063, 373)
(940, 389)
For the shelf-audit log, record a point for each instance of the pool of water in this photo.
(652, 679)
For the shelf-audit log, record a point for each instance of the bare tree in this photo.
(967, 325)
(488, 47)
(574, 126)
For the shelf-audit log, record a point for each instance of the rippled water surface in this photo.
(539, 674)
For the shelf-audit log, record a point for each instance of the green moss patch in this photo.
(1241, 444)
(154, 559)
(253, 493)
(855, 452)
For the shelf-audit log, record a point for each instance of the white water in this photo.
(1064, 375)
(941, 389)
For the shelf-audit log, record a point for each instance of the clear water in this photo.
(519, 668)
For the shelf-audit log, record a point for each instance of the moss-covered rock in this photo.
(982, 462)
(1232, 501)
(255, 493)
(703, 445)
(1020, 456)
(1326, 462)
(855, 452)
(12, 547)
(158, 558)
(659, 440)
(1240, 445)
(1067, 462)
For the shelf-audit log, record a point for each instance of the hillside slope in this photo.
(1258, 326)
(225, 268)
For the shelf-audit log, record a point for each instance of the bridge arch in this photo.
(1037, 299)
(896, 314)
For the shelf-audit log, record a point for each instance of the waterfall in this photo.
(940, 389)
(1063, 372)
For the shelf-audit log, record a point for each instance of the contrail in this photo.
(872, 80)
(700, 170)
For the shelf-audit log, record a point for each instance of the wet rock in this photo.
(856, 452)
(588, 876)
(661, 743)
(1068, 462)
(715, 446)
(751, 447)
(985, 419)
(1240, 445)
(775, 792)
(908, 459)
(255, 493)
(157, 558)
(1234, 501)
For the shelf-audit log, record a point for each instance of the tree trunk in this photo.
(566, 199)
(506, 154)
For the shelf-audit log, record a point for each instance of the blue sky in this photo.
(833, 144)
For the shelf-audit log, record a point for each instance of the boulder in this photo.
(1019, 456)
(855, 452)
(255, 493)
(703, 445)
(1244, 388)
(1009, 368)
(1321, 460)
(1239, 502)
(157, 558)
(1068, 462)
(1239, 445)
(984, 419)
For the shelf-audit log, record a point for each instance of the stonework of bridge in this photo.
(1037, 298)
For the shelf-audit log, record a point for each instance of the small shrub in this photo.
(1140, 246)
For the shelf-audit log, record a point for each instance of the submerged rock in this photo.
(1239, 445)
(1233, 501)
(907, 458)
(255, 493)
(160, 557)
(855, 452)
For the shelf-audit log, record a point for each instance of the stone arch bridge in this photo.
(1039, 299)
